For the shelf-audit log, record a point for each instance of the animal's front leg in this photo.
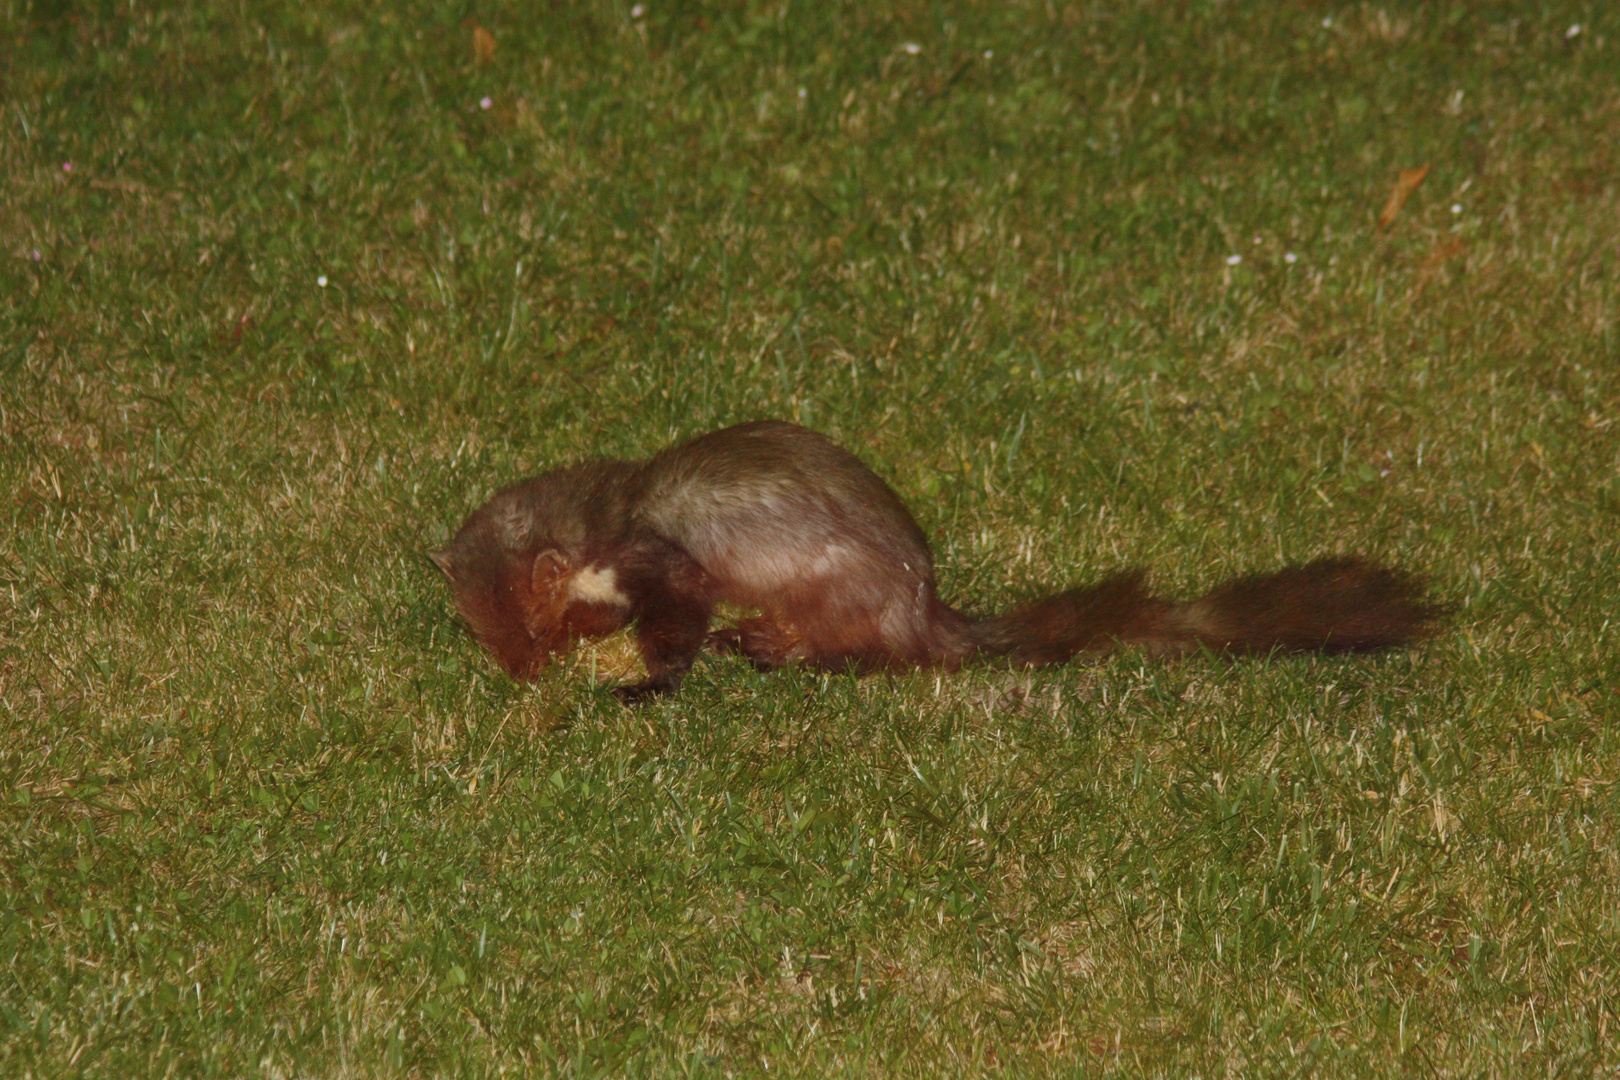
(674, 603)
(670, 638)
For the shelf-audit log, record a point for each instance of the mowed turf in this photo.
(286, 290)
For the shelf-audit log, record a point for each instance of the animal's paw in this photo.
(633, 694)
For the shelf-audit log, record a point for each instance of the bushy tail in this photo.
(1331, 605)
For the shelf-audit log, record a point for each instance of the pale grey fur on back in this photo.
(776, 506)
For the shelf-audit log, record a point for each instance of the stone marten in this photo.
(780, 520)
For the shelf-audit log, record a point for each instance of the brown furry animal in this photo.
(779, 519)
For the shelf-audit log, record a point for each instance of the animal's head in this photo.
(514, 606)
(524, 608)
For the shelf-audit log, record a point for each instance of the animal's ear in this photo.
(551, 569)
(547, 597)
(442, 560)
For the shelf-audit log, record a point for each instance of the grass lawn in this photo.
(287, 289)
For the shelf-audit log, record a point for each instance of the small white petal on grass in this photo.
(1327, 22)
(911, 48)
(1290, 257)
(1456, 208)
(637, 11)
(989, 54)
(484, 102)
(1233, 260)
(1573, 32)
(803, 93)
(321, 281)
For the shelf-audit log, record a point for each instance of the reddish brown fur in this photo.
(776, 518)
(1117, 611)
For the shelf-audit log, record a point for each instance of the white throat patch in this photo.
(597, 585)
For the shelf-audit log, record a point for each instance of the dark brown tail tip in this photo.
(1336, 605)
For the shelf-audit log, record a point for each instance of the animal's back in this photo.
(787, 521)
